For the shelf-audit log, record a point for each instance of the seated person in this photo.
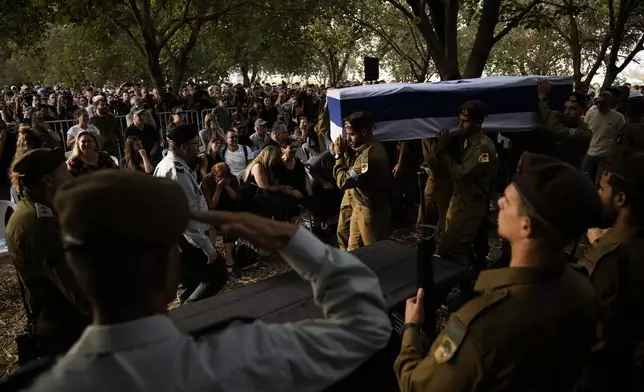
(209, 158)
(222, 192)
(262, 193)
(87, 157)
(136, 158)
(327, 193)
(83, 124)
(292, 173)
(129, 273)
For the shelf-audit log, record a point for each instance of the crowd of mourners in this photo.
(101, 252)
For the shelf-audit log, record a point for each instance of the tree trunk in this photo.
(254, 73)
(181, 61)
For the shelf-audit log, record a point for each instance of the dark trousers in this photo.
(199, 279)
(593, 167)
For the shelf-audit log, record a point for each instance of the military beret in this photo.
(627, 163)
(475, 109)
(359, 121)
(559, 194)
(578, 96)
(183, 133)
(38, 162)
(121, 208)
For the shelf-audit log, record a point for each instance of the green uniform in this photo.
(528, 330)
(470, 201)
(571, 144)
(110, 132)
(59, 306)
(364, 176)
(438, 189)
(614, 266)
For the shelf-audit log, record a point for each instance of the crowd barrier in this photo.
(164, 118)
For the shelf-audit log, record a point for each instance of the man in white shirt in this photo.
(260, 137)
(236, 157)
(604, 123)
(129, 274)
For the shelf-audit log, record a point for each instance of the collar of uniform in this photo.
(613, 236)
(474, 137)
(174, 157)
(497, 278)
(364, 146)
(104, 339)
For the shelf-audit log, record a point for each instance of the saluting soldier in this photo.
(202, 274)
(472, 181)
(571, 134)
(439, 186)
(362, 172)
(60, 309)
(531, 326)
(616, 271)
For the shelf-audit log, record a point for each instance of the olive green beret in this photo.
(38, 162)
(560, 194)
(477, 110)
(121, 208)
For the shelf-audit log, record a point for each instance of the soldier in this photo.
(362, 172)
(614, 266)
(202, 274)
(532, 325)
(472, 181)
(438, 189)
(571, 134)
(59, 307)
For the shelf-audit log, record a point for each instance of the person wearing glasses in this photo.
(203, 273)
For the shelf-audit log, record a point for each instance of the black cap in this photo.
(183, 133)
(477, 110)
(559, 194)
(627, 163)
(38, 162)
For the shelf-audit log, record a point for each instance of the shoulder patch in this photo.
(484, 157)
(454, 333)
(42, 211)
(364, 166)
(178, 167)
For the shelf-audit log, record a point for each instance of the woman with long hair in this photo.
(87, 157)
(262, 192)
(136, 158)
(211, 131)
(210, 157)
(242, 112)
(222, 192)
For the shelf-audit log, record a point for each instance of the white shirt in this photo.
(76, 129)
(259, 142)
(150, 354)
(604, 128)
(175, 168)
(236, 160)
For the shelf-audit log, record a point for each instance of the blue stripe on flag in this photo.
(425, 104)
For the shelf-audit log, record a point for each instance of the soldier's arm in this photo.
(47, 247)
(345, 177)
(553, 125)
(417, 372)
(474, 162)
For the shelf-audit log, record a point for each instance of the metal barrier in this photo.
(231, 110)
(189, 117)
(61, 126)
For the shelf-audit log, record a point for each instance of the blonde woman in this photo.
(261, 191)
(87, 157)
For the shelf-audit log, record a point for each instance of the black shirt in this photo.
(149, 138)
(270, 116)
(271, 142)
(295, 177)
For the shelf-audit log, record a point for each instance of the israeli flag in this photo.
(403, 111)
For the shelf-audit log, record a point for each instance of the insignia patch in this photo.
(364, 167)
(352, 174)
(484, 158)
(445, 350)
(43, 211)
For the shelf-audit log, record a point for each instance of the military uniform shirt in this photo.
(575, 140)
(364, 174)
(150, 354)
(175, 168)
(527, 330)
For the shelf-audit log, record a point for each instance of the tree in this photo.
(439, 21)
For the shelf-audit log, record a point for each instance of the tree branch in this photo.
(638, 48)
(129, 34)
(402, 9)
(170, 31)
(514, 22)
